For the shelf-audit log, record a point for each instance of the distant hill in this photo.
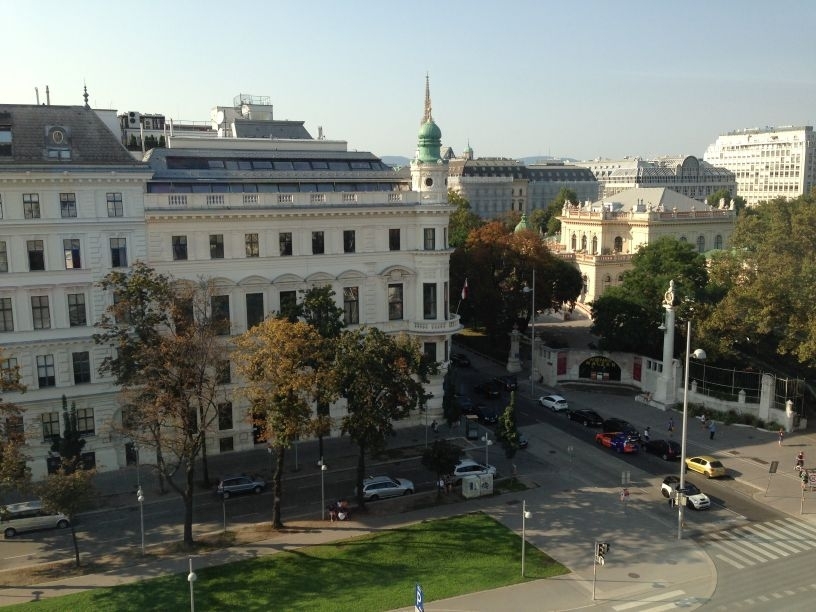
(398, 160)
(395, 160)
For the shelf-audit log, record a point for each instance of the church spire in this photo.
(85, 95)
(427, 116)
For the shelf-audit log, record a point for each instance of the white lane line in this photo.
(730, 561)
(646, 600)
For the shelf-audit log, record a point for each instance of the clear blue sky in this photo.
(578, 79)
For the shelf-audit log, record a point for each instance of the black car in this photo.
(588, 418)
(621, 426)
(666, 449)
(460, 359)
(489, 389)
(487, 415)
(508, 383)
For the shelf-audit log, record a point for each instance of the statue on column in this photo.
(513, 361)
(668, 297)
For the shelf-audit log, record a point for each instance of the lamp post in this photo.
(532, 338)
(698, 354)
(140, 499)
(525, 514)
(191, 578)
(323, 468)
(488, 442)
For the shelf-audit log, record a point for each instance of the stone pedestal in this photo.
(513, 361)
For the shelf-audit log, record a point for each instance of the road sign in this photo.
(420, 599)
(812, 478)
(774, 465)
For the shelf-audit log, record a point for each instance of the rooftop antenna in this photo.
(47, 96)
(37, 93)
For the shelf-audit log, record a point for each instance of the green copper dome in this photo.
(430, 142)
(523, 224)
(430, 131)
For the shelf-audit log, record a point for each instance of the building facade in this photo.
(601, 238)
(768, 163)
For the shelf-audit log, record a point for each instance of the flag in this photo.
(465, 290)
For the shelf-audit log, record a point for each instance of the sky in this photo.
(584, 80)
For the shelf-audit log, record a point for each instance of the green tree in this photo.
(462, 220)
(14, 473)
(70, 443)
(450, 407)
(548, 221)
(381, 377)
(133, 144)
(725, 196)
(284, 366)
(507, 430)
(441, 458)
(69, 491)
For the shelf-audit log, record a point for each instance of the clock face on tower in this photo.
(429, 182)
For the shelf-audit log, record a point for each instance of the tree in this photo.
(627, 317)
(14, 473)
(285, 366)
(724, 196)
(462, 221)
(441, 458)
(450, 407)
(69, 491)
(319, 310)
(70, 443)
(546, 220)
(507, 430)
(381, 377)
(167, 359)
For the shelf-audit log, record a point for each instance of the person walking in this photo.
(712, 429)
(781, 435)
(671, 426)
(646, 433)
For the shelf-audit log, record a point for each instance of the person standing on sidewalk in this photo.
(781, 435)
(671, 426)
(712, 429)
(646, 433)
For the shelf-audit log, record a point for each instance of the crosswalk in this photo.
(669, 600)
(759, 543)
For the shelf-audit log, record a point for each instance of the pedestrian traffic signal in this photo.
(601, 549)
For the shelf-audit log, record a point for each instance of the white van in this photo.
(29, 516)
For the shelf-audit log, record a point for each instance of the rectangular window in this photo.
(3, 257)
(45, 371)
(430, 238)
(444, 237)
(445, 308)
(9, 371)
(76, 310)
(5, 140)
(429, 348)
(36, 255)
(115, 205)
(288, 302)
(395, 302)
(71, 248)
(394, 239)
(226, 445)
(6, 315)
(40, 312)
(252, 246)
(216, 246)
(223, 375)
(121, 310)
(225, 416)
(429, 300)
(82, 367)
(318, 247)
(31, 205)
(68, 205)
(85, 421)
(179, 248)
(351, 305)
(254, 309)
(1, 197)
(285, 242)
(118, 247)
(349, 245)
(220, 314)
(51, 426)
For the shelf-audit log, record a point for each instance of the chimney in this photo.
(47, 96)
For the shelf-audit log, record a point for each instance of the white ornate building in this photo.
(768, 163)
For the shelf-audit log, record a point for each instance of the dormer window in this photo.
(5, 141)
(57, 142)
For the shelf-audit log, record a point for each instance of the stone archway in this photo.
(599, 368)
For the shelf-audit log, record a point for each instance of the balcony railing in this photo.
(436, 327)
(158, 201)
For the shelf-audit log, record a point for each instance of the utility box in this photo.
(476, 486)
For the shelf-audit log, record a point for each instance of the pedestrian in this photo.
(703, 420)
(781, 436)
(671, 426)
(440, 485)
(646, 434)
(435, 426)
(712, 429)
(449, 484)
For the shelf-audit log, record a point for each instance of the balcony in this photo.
(258, 201)
(435, 327)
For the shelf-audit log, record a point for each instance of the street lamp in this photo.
(140, 499)
(488, 442)
(323, 468)
(532, 338)
(191, 578)
(525, 514)
(698, 354)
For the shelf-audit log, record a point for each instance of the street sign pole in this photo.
(771, 471)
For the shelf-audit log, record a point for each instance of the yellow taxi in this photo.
(706, 465)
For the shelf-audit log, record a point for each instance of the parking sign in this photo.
(420, 604)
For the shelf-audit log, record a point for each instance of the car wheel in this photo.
(690, 505)
(408, 492)
(225, 494)
(665, 457)
(665, 493)
(257, 490)
(374, 498)
(62, 524)
(10, 532)
(708, 475)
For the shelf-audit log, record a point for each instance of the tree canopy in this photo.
(462, 220)
(14, 472)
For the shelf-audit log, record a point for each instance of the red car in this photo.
(620, 442)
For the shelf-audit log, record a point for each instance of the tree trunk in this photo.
(277, 488)
(76, 543)
(160, 462)
(205, 468)
(188, 504)
(360, 476)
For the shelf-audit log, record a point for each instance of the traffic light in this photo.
(601, 548)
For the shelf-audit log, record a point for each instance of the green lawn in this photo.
(447, 557)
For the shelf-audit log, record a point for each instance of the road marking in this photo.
(732, 546)
(767, 532)
(648, 600)
(730, 561)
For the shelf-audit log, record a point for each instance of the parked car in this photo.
(588, 418)
(621, 426)
(617, 441)
(707, 465)
(487, 415)
(460, 359)
(556, 403)
(508, 383)
(29, 516)
(465, 404)
(469, 467)
(695, 499)
(666, 449)
(523, 441)
(488, 388)
(381, 487)
(237, 484)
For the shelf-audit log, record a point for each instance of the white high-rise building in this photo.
(769, 162)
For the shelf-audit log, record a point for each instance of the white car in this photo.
(468, 467)
(695, 499)
(380, 487)
(556, 403)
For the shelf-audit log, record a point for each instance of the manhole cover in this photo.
(634, 575)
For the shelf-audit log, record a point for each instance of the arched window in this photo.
(620, 278)
(718, 241)
(583, 243)
(618, 244)
(701, 244)
(573, 242)
(594, 245)
(607, 281)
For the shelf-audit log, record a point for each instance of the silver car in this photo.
(381, 487)
(29, 516)
(233, 485)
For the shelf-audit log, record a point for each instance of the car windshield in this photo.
(691, 489)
